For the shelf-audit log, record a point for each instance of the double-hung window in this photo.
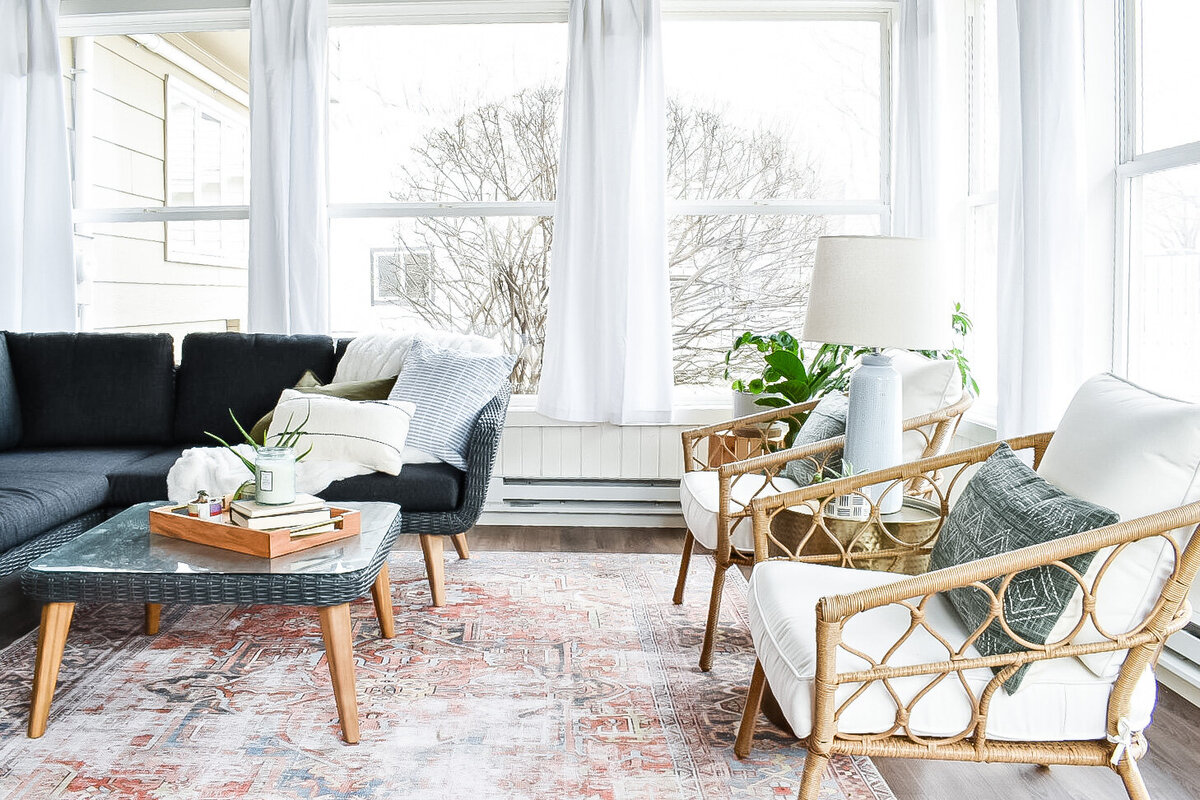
(1158, 284)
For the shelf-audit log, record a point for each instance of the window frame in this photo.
(1133, 164)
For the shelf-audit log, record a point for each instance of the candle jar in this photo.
(275, 476)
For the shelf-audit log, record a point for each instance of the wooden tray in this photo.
(218, 532)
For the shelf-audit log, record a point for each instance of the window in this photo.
(777, 134)
(442, 179)
(1159, 179)
(160, 154)
(983, 168)
(207, 164)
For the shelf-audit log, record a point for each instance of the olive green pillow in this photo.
(349, 390)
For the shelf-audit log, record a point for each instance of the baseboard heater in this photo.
(593, 502)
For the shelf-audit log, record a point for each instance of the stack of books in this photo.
(304, 515)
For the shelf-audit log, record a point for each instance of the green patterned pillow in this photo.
(1007, 506)
(825, 421)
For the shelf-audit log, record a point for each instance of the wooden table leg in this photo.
(153, 613)
(339, 652)
(431, 547)
(52, 636)
(381, 593)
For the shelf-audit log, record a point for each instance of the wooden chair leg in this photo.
(431, 547)
(685, 561)
(460, 545)
(714, 614)
(814, 771)
(745, 734)
(153, 615)
(381, 594)
(52, 637)
(1131, 776)
(339, 653)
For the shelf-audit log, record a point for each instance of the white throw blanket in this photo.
(219, 472)
(381, 355)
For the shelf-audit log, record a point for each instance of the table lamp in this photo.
(877, 292)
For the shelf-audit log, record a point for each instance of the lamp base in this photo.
(874, 424)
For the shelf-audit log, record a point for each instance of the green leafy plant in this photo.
(790, 375)
(288, 437)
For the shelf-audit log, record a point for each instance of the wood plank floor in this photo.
(1171, 770)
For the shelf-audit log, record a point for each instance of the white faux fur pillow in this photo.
(370, 433)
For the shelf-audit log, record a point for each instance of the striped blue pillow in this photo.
(449, 388)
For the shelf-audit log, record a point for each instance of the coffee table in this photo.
(121, 561)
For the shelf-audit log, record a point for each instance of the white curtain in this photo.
(37, 264)
(289, 224)
(920, 111)
(608, 336)
(1042, 315)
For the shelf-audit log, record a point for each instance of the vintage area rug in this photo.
(545, 676)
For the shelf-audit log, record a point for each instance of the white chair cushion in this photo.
(1059, 700)
(927, 384)
(699, 494)
(1138, 453)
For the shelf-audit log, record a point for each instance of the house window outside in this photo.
(159, 128)
(207, 164)
(1158, 307)
(460, 164)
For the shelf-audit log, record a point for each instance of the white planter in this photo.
(743, 404)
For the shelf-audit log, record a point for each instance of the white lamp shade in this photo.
(879, 291)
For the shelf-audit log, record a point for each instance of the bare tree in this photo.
(490, 274)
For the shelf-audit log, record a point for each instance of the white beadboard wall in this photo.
(550, 472)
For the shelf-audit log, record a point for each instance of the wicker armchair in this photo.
(876, 664)
(721, 522)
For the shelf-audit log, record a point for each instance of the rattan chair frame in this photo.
(1120, 750)
(937, 428)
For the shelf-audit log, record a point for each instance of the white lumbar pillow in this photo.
(370, 433)
(1138, 453)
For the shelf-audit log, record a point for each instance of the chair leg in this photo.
(1131, 776)
(460, 545)
(684, 563)
(745, 734)
(814, 771)
(714, 614)
(431, 547)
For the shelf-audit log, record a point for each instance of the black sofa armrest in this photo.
(481, 457)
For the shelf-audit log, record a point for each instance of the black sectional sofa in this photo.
(91, 423)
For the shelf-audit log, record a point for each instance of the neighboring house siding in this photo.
(133, 287)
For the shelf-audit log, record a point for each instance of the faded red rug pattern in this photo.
(546, 676)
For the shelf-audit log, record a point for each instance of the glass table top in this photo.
(124, 544)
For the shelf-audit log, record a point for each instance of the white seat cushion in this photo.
(699, 494)
(1059, 700)
(926, 385)
(1136, 452)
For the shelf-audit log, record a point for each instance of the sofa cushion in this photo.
(351, 390)
(93, 388)
(825, 421)
(449, 387)
(92, 460)
(243, 372)
(1138, 453)
(927, 384)
(33, 503)
(1060, 699)
(418, 487)
(10, 407)
(142, 480)
(699, 495)
(1007, 506)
